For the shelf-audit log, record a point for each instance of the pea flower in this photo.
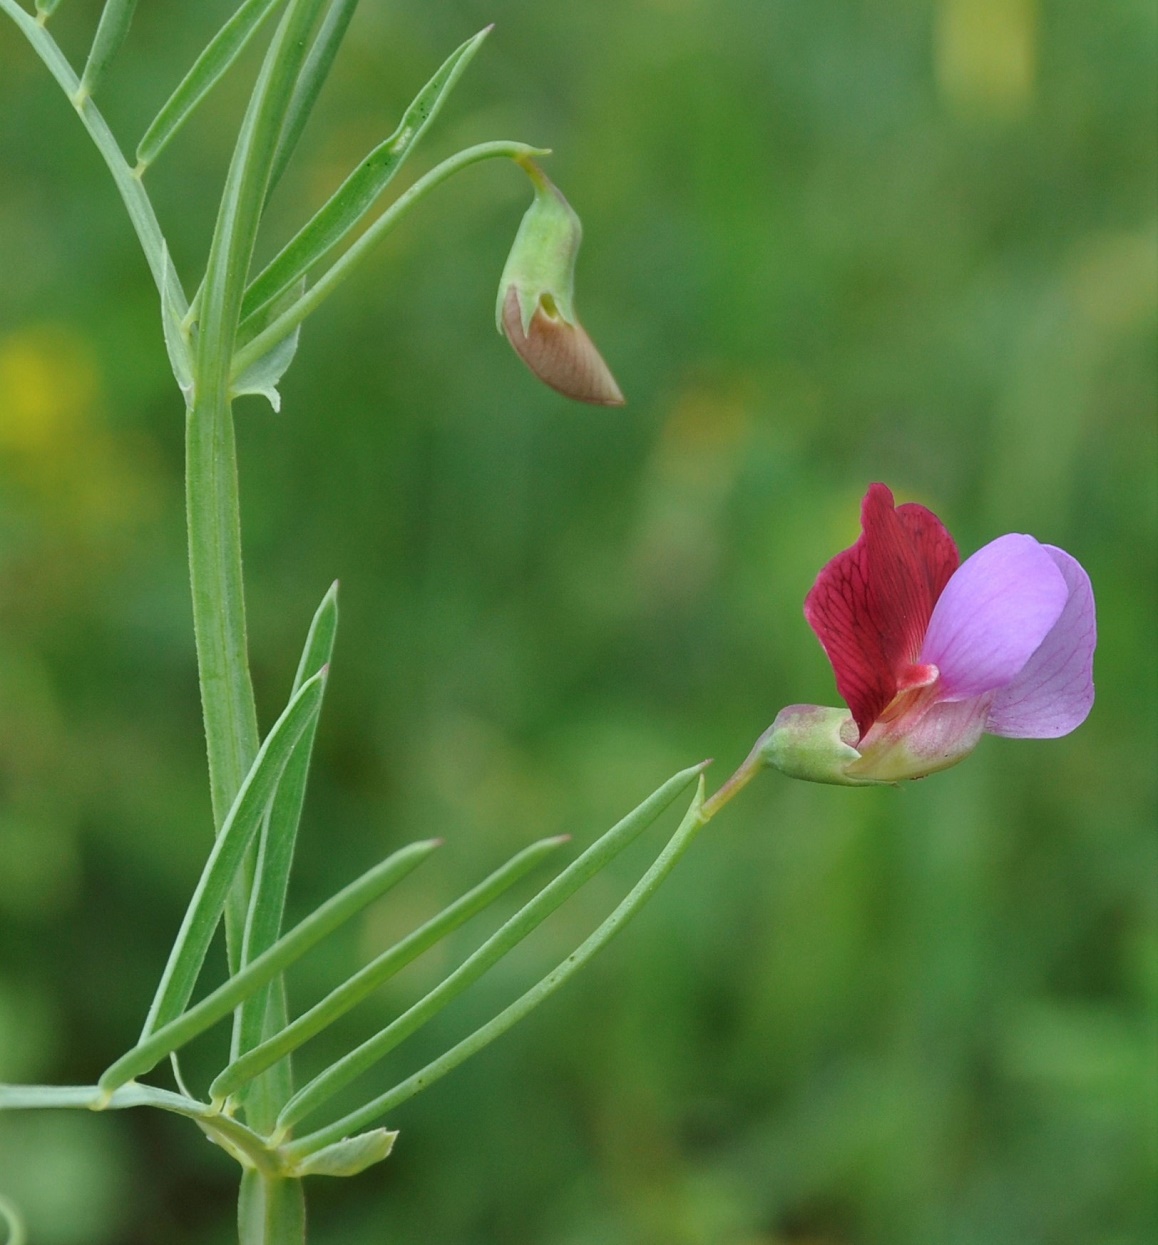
(930, 653)
(535, 303)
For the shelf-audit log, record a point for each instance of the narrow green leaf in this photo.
(317, 1142)
(349, 1156)
(239, 213)
(176, 334)
(112, 28)
(310, 81)
(358, 193)
(288, 949)
(265, 1096)
(339, 1074)
(46, 8)
(225, 859)
(280, 829)
(363, 983)
(208, 69)
(266, 1012)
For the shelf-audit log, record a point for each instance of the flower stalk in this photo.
(280, 326)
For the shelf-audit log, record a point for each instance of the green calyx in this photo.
(541, 265)
(814, 742)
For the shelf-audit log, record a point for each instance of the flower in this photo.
(930, 653)
(535, 308)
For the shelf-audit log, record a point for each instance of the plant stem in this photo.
(211, 493)
(214, 528)
(271, 1210)
(753, 764)
(230, 1134)
(211, 462)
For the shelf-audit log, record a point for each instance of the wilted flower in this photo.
(535, 308)
(929, 655)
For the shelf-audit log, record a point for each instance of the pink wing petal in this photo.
(1054, 692)
(993, 615)
(871, 604)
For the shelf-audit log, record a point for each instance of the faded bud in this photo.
(535, 308)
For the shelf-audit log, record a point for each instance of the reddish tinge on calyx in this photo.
(870, 606)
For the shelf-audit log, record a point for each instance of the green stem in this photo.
(753, 764)
(243, 1143)
(271, 1210)
(211, 464)
(214, 526)
(284, 324)
(212, 506)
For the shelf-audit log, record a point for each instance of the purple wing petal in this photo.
(1055, 691)
(993, 616)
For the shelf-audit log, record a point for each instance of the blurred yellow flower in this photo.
(48, 384)
(54, 443)
(986, 54)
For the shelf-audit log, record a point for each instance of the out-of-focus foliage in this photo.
(827, 243)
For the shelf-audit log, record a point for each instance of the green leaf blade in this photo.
(364, 982)
(208, 902)
(322, 922)
(116, 17)
(339, 1074)
(279, 833)
(314, 72)
(239, 212)
(208, 69)
(691, 824)
(358, 193)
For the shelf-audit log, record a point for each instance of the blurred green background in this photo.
(827, 243)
